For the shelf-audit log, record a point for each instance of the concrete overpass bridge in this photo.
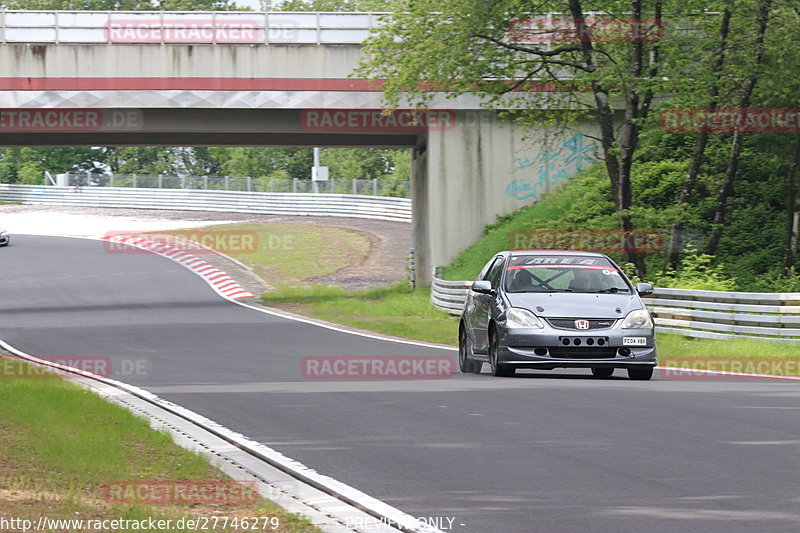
(267, 79)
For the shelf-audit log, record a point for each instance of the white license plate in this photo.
(634, 341)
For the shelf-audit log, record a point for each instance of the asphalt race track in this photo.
(551, 452)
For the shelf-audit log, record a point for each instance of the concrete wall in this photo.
(420, 209)
(483, 168)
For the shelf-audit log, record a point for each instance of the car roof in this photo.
(555, 252)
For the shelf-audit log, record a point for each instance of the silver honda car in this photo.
(5, 240)
(550, 309)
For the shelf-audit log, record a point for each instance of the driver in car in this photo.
(583, 281)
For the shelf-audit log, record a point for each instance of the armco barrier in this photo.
(693, 313)
(342, 205)
(725, 315)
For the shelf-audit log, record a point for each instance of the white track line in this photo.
(383, 513)
(386, 516)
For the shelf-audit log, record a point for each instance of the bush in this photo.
(697, 271)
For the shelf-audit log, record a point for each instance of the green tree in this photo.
(28, 164)
(473, 47)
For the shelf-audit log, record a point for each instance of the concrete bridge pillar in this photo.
(465, 176)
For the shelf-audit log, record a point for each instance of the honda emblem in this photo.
(582, 324)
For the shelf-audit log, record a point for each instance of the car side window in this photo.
(488, 268)
(485, 269)
(494, 273)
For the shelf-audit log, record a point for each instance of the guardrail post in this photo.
(227, 183)
(355, 186)
(160, 181)
(134, 181)
(111, 180)
(375, 186)
(249, 184)
(205, 182)
(412, 273)
(294, 184)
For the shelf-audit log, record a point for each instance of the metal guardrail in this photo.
(346, 205)
(449, 296)
(726, 315)
(693, 313)
(186, 27)
(370, 187)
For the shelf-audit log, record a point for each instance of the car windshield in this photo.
(568, 273)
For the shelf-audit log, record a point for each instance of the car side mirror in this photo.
(483, 287)
(644, 289)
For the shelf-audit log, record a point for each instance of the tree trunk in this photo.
(675, 234)
(629, 138)
(619, 152)
(792, 211)
(726, 190)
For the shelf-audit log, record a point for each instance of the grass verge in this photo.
(61, 446)
(741, 355)
(396, 310)
(287, 254)
(402, 312)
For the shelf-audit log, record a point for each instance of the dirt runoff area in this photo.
(386, 262)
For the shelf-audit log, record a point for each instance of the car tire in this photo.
(640, 374)
(497, 369)
(465, 364)
(600, 372)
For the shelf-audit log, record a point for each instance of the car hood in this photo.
(578, 305)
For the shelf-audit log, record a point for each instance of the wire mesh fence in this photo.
(374, 187)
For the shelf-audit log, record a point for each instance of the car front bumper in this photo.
(4, 239)
(550, 348)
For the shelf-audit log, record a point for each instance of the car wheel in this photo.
(465, 364)
(640, 374)
(497, 368)
(600, 372)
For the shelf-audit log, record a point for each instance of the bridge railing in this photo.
(693, 313)
(186, 27)
(374, 207)
(239, 27)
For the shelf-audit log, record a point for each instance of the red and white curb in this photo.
(219, 280)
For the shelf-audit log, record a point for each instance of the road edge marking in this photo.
(383, 512)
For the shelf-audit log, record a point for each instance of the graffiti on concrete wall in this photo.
(548, 167)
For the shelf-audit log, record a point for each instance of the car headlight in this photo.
(638, 319)
(522, 318)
